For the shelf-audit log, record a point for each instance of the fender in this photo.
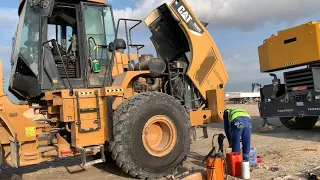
(123, 82)
(12, 133)
(124, 79)
(12, 115)
(3, 98)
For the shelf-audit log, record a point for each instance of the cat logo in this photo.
(187, 17)
(184, 13)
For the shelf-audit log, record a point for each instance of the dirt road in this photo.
(283, 152)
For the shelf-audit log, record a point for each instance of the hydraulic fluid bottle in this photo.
(234, 164)
(253, 158)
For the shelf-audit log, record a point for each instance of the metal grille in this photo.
(299, 78)
(299, 97)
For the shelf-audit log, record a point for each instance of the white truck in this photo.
(244, 97)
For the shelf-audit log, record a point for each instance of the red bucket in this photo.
(259, 158)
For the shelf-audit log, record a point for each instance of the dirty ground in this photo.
(287, 154)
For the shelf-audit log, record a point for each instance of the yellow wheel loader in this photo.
(87, 94)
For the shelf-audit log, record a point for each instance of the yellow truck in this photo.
(296, 100)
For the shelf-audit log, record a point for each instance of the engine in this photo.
(175, 83)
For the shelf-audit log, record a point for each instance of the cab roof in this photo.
(94, 1)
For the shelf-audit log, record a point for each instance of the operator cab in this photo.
(61, 44)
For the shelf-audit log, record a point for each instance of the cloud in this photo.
(242, 65)
(245, 14)
(8, 17)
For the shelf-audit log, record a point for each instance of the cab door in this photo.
(99, 31)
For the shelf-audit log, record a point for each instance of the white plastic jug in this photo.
(245, 170)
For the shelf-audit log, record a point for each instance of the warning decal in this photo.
(30, 131)
(114, 90)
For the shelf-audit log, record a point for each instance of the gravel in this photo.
(286, 154)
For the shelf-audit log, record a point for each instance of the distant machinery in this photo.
(252, 97)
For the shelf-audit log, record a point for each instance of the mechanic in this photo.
(237, 126)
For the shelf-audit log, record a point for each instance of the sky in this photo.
(238, 27)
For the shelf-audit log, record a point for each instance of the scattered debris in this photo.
(313, 150)
(274, 169)
(263, 129)
(266, 127)
(312, 176)
(189, 175)
(284, 177)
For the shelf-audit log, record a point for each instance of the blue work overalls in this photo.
(238, 128)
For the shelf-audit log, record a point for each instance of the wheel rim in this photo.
(159, 136)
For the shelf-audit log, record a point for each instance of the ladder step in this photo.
(90, 163)
(89, 149)
(81, 110)
(89, 110)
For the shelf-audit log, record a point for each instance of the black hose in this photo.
(65, 70)
(169, 76)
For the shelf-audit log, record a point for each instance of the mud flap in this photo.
(14, 151)
(216, 104)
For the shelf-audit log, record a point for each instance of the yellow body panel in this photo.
(16, 127)
(198, 118)
(206, 70)
(292, 47)
(68, 111)
(216, 104)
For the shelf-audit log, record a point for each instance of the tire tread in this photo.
(118, 148)
(299, 123)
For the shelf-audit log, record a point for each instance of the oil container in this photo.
(215, 168)
(245, 170)
(253, 157)
(234, 164)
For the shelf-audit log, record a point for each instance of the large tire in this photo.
(129, 149)
(299, 123)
